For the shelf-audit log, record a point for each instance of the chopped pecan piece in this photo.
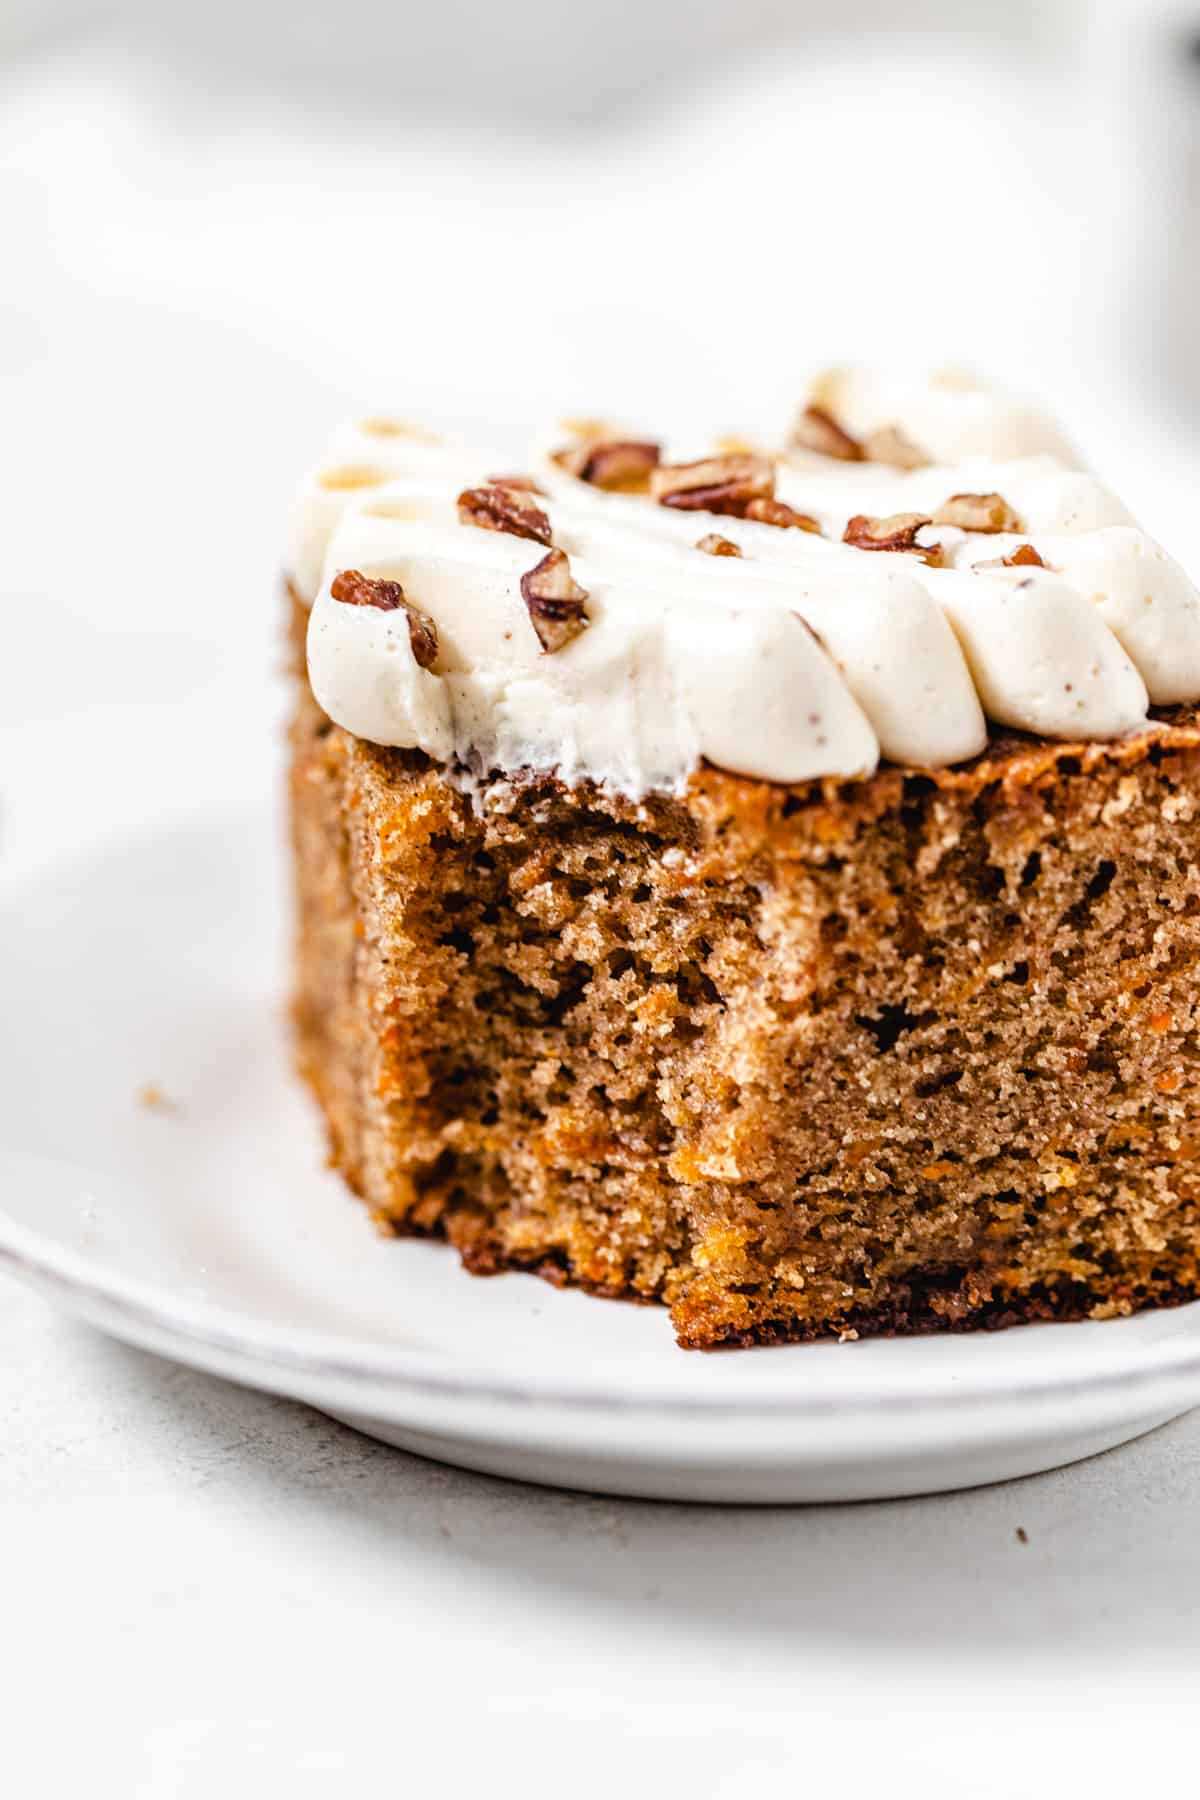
(502, 507)
(1023, 557)
(555, 601)
(715, 545)
(890, 445)
(620, 465)
(778, 512)
(353, 588)
(525, 484)
(898, 532)
(816, 429)
(977, 512)
(720, 484)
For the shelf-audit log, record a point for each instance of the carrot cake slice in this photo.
(760, 880)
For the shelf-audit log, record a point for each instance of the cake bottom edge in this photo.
(932, 1302)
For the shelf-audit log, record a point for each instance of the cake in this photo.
(762, 881)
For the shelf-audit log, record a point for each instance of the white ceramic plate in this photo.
(204, 1227)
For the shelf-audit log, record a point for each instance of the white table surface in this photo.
(204, 1591)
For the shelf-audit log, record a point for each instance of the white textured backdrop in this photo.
(203, 1591)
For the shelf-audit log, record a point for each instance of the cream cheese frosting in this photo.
(789, 655)
(658, 680)
(948, 413)
(362, 455)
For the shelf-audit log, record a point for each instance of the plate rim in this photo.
(139, 1309)
(144, 1308)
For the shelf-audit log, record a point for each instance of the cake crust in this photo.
(911, 1053)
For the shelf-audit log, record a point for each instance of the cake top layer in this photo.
(918, 559)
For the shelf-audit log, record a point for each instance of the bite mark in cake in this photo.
(676, 917)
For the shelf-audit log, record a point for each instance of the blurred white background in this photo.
(224, 225)
(680, 203)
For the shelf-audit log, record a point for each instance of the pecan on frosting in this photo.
(621, 465)
(888, 444)
(778, 512)
(977, 512)
(500, 506)
(353, 588)
(1023, 557)
(816, 429)
(713, 544)
(897, 532)
(720, 484)
(555, 602)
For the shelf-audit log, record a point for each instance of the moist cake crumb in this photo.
(911, 1053)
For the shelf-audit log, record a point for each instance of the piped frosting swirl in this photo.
(623, 650)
